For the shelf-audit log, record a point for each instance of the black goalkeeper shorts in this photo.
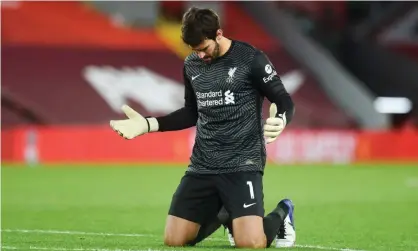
(199, 197)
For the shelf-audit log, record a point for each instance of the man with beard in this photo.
(225, 85)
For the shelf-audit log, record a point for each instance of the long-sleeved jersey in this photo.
(224, 100)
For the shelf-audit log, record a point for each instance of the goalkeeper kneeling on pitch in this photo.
(225, 85)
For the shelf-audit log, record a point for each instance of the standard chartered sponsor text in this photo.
(208, 98)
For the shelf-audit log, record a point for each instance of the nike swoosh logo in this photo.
(194, 77)
(249, 205)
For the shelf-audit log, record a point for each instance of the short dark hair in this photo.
(199, 24)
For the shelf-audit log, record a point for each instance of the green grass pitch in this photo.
(108, 208)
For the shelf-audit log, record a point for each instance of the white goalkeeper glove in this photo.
(274, 125)
(135, 125)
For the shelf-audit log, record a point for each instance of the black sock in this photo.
(205, 231)
(210, 227)
(273, 221)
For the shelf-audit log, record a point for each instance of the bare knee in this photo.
(250, 242)
(249, 232)
(179, 232)
(173, 239)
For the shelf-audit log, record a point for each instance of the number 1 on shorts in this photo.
(250, 184)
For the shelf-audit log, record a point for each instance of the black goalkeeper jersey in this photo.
(227, 96)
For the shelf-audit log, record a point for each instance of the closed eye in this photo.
(200, 50)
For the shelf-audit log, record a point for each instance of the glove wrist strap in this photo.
(283, 117)
(152, 124)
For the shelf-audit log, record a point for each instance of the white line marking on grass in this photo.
(327, 248)
(40, 231)
(83, 249)
(66, 232)
(149, 249)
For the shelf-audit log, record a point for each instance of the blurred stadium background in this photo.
(67, 68)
